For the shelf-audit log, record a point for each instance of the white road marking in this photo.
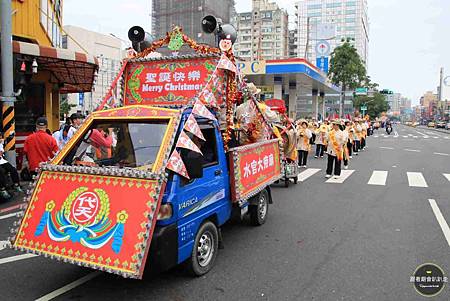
(405, 136)
(344, 175)
(441, 154)
(436, 137)
(446, 137)
(307, 173)
(8, 215)
(4, 244)
(416, 179)
(16, 258)
(386, 147)
(375, 136)
(415, 137)
(426, 137)
(412, 150)
(421, 133)
(69, 286)
(447, 175)
(378, 177)
(441, 220)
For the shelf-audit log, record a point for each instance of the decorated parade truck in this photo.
(150, 180)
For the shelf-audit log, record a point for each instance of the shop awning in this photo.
(73, 70)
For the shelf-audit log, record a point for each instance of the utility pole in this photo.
(8, 97)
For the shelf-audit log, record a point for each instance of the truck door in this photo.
(204, 197)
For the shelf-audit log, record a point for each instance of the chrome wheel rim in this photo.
(205, 249)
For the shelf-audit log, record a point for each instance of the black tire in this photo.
(295, 180)
(286, 182)
(196, 265)
(258, 215)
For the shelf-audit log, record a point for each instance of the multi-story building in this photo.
(293, 43)
(334, 20)
(109, 52)
(189, 15)
(263, 33)
(393, 101)
(429, 104)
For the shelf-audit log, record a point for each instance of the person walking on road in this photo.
(321, 141)
(336, 140)
(5, 169)
(39, 147)
(303, 138)
(357, 137)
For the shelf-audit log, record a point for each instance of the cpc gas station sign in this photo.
(252, 67)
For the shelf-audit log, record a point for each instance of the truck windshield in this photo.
(118, 143)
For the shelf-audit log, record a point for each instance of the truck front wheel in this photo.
(205, 250)
(258, 210)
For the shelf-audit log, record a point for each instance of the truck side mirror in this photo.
(194, 164)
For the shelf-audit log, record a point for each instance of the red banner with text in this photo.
(91, 220)
(255, 166)
(172, 83)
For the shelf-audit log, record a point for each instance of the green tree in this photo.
(346, 70)
(65, 107)
(376, 104)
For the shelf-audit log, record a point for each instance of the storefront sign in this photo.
(172, 83)
(83, 219)
(250, 68)
(255, 166)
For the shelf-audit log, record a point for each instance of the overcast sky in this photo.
(409, 39)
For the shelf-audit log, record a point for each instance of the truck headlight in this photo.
(165, 211)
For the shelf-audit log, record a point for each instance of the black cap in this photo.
(41, 121)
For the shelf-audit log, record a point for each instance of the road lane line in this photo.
(16, 258)
(447, 175)
(441, 154)
(307, 173)
(4, 244)
(10, 208)
(344, 175)
(421, 133)
(405, 136)
(69, 286)
(412, 150)
(386, 147)
(416, 179)
(8, 215)
(441, 220)
(378, 177)
(436, 137)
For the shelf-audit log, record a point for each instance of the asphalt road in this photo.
(323, 241)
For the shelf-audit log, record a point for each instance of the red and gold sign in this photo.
(169, 83)
(92, 220)
(254, 166)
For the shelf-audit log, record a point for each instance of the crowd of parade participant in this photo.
(339, 139)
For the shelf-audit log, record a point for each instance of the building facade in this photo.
(109, 53)
(335, 21)
(189, 15)
(263, 33)
(42, 70)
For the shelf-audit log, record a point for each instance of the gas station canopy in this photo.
(288, 72)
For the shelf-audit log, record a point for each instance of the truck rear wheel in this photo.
(258, 211)
(205, 250)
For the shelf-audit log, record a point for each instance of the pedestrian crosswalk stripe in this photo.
(16, 258)
(307, 173)
(344, 175)
(441, 220)
(378, 177)
(447, 175)
(416, 179)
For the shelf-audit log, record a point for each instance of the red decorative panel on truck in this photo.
(91, 220)
(254, 166)
(172, 83)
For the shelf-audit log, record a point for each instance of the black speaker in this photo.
(140, 39)
(210, 24)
